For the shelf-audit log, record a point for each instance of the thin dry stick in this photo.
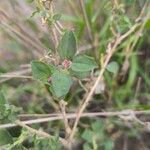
(80, 83)
(93, 38)
(106, 114)
(25, 66)
(24, 32)
(143, 10)
(53, 28)
(58, 22)
(9, 28)
(33, 131)
(55, 36)
(19, 72)
(20, 34)
(13, 74)
(73, 7)
(39, 115)
(74, 115)
(57, 28)
(86, 20)
(53, 103)
(87, 47)
(60, 25)
(110, 51)
(22, 41)
(137, 87)
(84, 48)
(16, 76)
(63, 107)
(115, 3)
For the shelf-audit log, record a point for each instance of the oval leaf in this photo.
(61, 83)
(112, 67)
(67, 46)
(83, 63)
(41, 71)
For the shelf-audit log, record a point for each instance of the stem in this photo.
(86, 20)
(74, 115)
(63, 111)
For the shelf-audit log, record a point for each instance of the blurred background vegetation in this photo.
(23, 38)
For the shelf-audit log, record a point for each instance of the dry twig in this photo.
(63, 111)
(86, 20)
(15, 74)
(59, 116)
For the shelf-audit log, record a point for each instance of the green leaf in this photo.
(61, 83)
(47, 143)
(83, 63)
(86, 146)
(108, 144)
(67, 46)
(79, 74)
(113, 67)
(87, 134)
(41, 71)
(98, 126)
(5, 137)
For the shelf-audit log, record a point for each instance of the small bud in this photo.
(66, 64)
